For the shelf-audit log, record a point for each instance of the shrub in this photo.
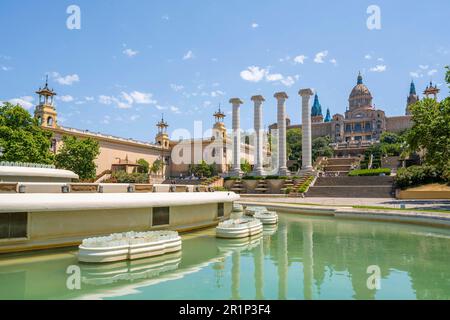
(272, 177)
(220, 189)
(304, 186)
(252, 178)
(231, 178)
(417, 175)
(288, 190)
(124, 177)
(370, 172)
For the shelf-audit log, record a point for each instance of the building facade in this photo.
(118, 153)
(362, 124)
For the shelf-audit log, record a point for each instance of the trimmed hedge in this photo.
(369, 172)
(231, 178)
(252, 178)
(418, 175)
(304, 186)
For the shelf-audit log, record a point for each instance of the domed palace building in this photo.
(361, 125)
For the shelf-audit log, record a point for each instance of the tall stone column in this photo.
(306, 129)
(236, 103)
(281, 119)
(259, 132)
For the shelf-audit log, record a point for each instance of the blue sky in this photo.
(133, 60)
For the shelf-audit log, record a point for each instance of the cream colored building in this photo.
(118, 153)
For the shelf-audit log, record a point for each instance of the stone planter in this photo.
(274, 186)
(249, 185)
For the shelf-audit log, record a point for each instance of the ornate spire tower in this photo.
(328, 116)
(316, 110)
(162, 138)
(412, 98)
(45, 111)
(219, 129)
(430, 90)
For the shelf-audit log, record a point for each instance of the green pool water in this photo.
(302, 258)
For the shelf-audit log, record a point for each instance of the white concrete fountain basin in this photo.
(128, 246)
(239, 228)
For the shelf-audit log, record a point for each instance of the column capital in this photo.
(281, 95)
(259, 98)
(305, 92)
(235, 101)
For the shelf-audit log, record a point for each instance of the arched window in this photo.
(49, 121)
(39, 119)
(213, 153)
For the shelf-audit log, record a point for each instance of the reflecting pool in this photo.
(302, 258)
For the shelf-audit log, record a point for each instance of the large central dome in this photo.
(360, 97)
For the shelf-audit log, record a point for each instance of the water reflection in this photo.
(301, 258)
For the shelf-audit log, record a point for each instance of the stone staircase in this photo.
(288, 184)
(352, 187)
(261, 187)
(339, 166)
(238, 187)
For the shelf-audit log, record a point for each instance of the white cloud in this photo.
(160, 107)
(415, 74)
(256, 74)
(217, 93)
(320, 56)
(367, 57)
(188, 55)
(274, 77)
(5, 68)
(333, 61)
(89, 98)
(134, 117)
(380, 59)
(423, 67)
(431, 72)
(255, 25)
(26, 101)
(378, 68)
(300, 59)
(66, 98)
(65, 80)
(176, 87)
(175, 109)
(253, 74)
(288, 81)
(130, 52)
(105, 99)
(125, 96)
(142, 97)
(106, 119)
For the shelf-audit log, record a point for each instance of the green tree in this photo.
(294, 143)
(202, 169)
(21, 138)
(431, 130)
(321, 147)
(78, 155)
(390, 138)
(144, 166)
(245, 166)
(156, 166)
(447, 76)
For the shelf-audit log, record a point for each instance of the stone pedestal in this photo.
(236, 124)
(306, 130)
(281, 120)
(259, 132)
